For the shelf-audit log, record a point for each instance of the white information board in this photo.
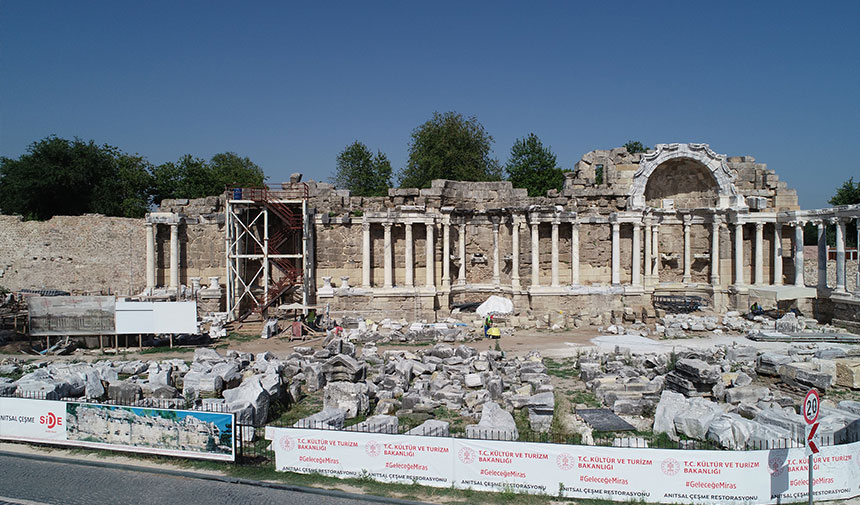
(155, 317)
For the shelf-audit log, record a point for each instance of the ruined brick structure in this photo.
(680, 219)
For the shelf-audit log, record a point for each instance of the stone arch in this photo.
(727, 193)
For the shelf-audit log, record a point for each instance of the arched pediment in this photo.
(702, 153)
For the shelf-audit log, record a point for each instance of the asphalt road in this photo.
(35, 481)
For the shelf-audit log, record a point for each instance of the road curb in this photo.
(219, 478)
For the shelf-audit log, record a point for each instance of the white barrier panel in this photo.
(347, 454)
(573, 471)
(169, 432)
(155, 317)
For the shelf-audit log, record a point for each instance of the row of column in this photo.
(651, 250)
(150, 257)
(840, 253)
(388, 267)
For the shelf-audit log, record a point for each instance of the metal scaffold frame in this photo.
(268, 239)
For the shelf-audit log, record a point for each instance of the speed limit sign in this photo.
(810, 406)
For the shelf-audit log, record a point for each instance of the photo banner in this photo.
(572, 471)
(168, 432)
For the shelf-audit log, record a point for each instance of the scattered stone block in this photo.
(495, 424)
(848, 373)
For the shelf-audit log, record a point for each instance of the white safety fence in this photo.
(573, 471)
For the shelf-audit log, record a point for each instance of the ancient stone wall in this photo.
(80, 254)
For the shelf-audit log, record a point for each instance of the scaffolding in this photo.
(268, 241)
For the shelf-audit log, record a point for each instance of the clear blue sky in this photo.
(290, 85)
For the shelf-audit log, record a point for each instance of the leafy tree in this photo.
(847, 194)
(193, 177)
(449, 146)
(230, 169)
(359, 171)
(634, 146)
(533, 166)
(73, 177)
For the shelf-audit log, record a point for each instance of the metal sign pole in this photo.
(811, 404)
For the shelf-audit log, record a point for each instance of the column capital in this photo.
(799, 223)
(646, 220)
(716, 219)
(835, 220)
(759, 226)
(387, 226)
(688, 219)
(446, 219)
(148, 224)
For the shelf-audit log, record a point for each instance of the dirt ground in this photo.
(519, 344)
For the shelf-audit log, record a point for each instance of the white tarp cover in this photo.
(572, 471)
(155, 317)
(495, 305)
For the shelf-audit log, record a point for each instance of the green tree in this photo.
(449, 146)
(192, 177)
(72, 177)
(634, 146)
(533, 166)
(362, 173)
(847, 194)
(230, 169)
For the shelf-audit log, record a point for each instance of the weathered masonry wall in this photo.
(82, 254)
(97, 254)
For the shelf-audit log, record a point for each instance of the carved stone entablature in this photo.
(164, 218)
(702, 153)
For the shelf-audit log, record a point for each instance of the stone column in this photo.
(822, 254)
(555, 281)
(174, 257)
(655, 253)
(446, 252)
(496, 259)
(739, 254)
(515, 256)
(365, 254)
(688, 277)
(777, 254)
(616, 253)
(431, 260)
(461, 238)
(798, 253)
(150, 257)
(840, 255)
(636, 278)
(715, 252)
(388, 277)
(535, 255)
(759, 256)
(409, 258)
(574, 253)
(647, 250)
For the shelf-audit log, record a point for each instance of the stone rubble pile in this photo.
(712, 394)
(482, 386)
